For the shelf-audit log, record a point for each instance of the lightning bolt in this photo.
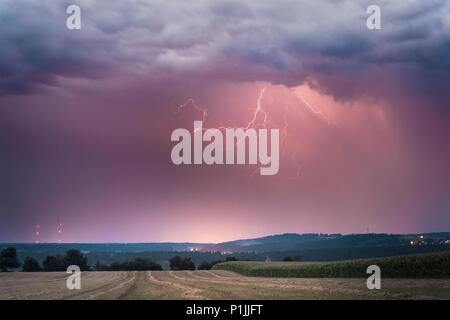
(251, 124)
(258, 113)
(191, 101)
(258, 110)
(313, 110)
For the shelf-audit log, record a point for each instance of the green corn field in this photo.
(433, 265)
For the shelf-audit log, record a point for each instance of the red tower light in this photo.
(59, 231)
(37, 233)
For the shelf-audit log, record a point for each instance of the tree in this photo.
(59, 262)
(31, 265)
(54, 263)
(8, 259)
(176, 263)
(75, 257)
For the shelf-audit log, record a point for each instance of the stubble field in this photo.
(215, 284)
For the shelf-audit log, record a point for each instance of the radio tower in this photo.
(37, 233)
(59, 232)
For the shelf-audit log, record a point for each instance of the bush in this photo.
(31, 265)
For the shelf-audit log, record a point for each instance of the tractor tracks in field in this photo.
(131, 290)
(187, 292)
(201, 285)
(126, 278)
(279, 283)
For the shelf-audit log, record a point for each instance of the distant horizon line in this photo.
(215, 243)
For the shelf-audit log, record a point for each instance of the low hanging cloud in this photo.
(284, 42)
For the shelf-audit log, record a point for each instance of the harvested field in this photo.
(215, 284)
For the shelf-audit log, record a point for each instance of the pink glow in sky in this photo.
(86, 118)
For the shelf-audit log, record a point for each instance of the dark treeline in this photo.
(137, 264)
(41, 251)
(59, 262)
(208, 265)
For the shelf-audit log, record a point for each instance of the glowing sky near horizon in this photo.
(86, 118)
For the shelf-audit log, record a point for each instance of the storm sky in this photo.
(86, 117)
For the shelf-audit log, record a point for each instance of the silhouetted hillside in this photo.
(310, 247)
(292, 241)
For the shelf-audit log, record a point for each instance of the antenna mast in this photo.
(37, 233)
(59, 232)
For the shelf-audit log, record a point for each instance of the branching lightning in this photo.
(251, 124)
(261, 113)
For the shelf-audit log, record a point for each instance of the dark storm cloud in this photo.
(279, 41)
(35, 48)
